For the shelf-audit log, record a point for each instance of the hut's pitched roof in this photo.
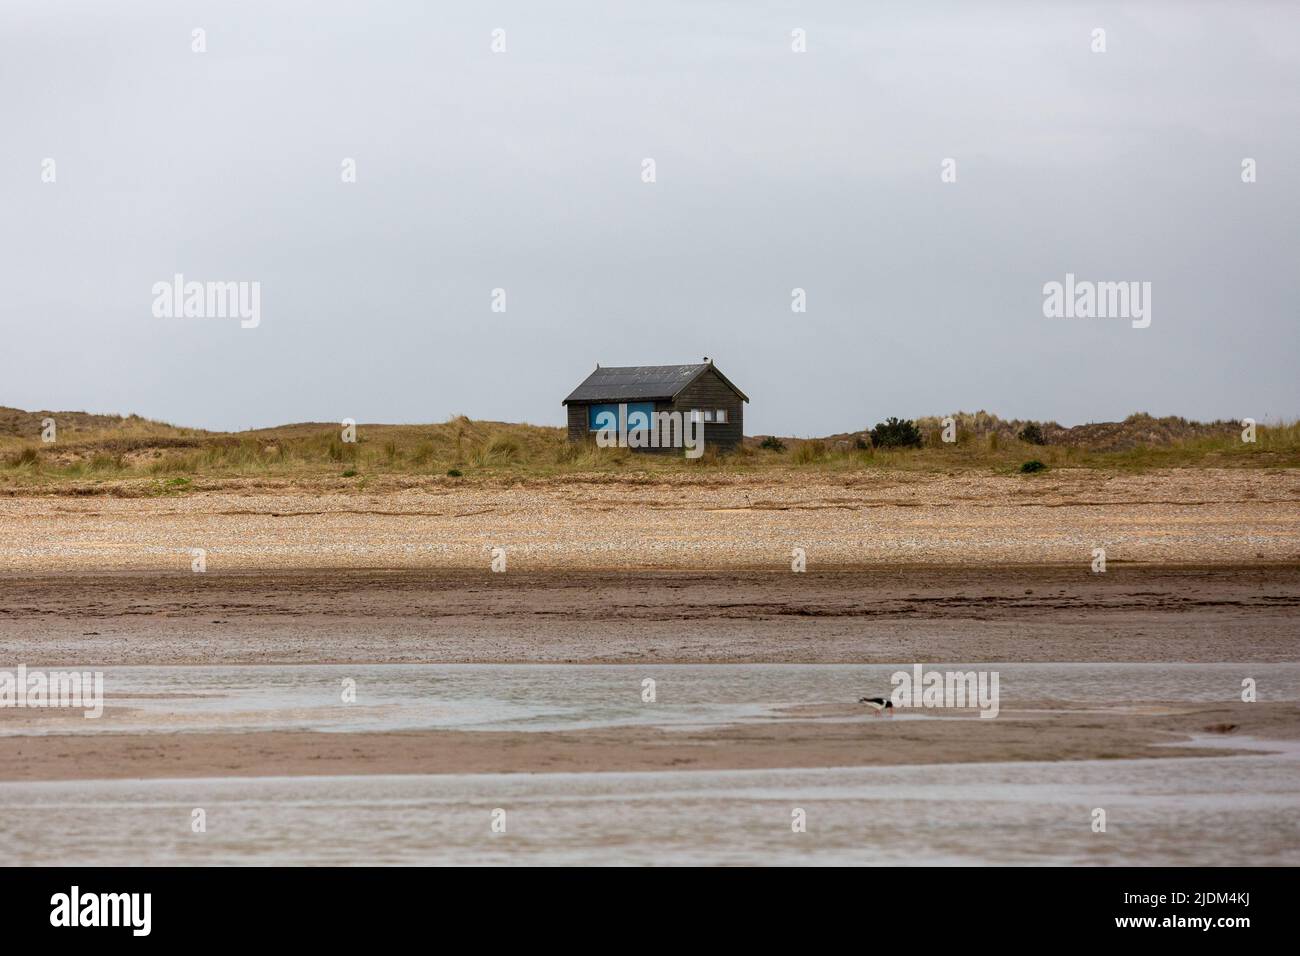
(642, 383)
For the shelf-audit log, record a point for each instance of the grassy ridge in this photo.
(97, 451)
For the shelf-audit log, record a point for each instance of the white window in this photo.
(720, 415)
(708, 414)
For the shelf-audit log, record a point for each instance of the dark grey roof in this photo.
(641, 383)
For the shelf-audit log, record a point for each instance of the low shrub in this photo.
(896, 433)
(1031, 434)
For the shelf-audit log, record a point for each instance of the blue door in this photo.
(639, 416)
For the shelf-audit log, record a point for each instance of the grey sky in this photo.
(775, 170)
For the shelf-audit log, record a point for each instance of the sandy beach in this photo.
(1202, 566)
(704, 521)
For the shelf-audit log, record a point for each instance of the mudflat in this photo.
(826, 736)
(1201, 566)
(882, 615)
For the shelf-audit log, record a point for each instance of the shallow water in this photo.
(1180, 811)
(1211, 810)
(573, 697)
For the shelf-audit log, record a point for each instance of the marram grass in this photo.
(151, 453)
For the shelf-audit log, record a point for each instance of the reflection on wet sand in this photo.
(1241, 810)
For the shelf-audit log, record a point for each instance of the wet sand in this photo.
(933, 615)
(825, 739)
(1202, 567)
(1199, 811)
(883, 615)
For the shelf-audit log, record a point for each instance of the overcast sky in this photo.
(775, 170)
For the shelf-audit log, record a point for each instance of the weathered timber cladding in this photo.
(711, 392)
(578, 423)
(705, 390)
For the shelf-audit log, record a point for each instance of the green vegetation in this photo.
(896, 433)
(1031, 466)
(132, 456)
(1031, 434)
(810, 452)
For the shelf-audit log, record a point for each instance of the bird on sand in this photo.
(881, 705)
